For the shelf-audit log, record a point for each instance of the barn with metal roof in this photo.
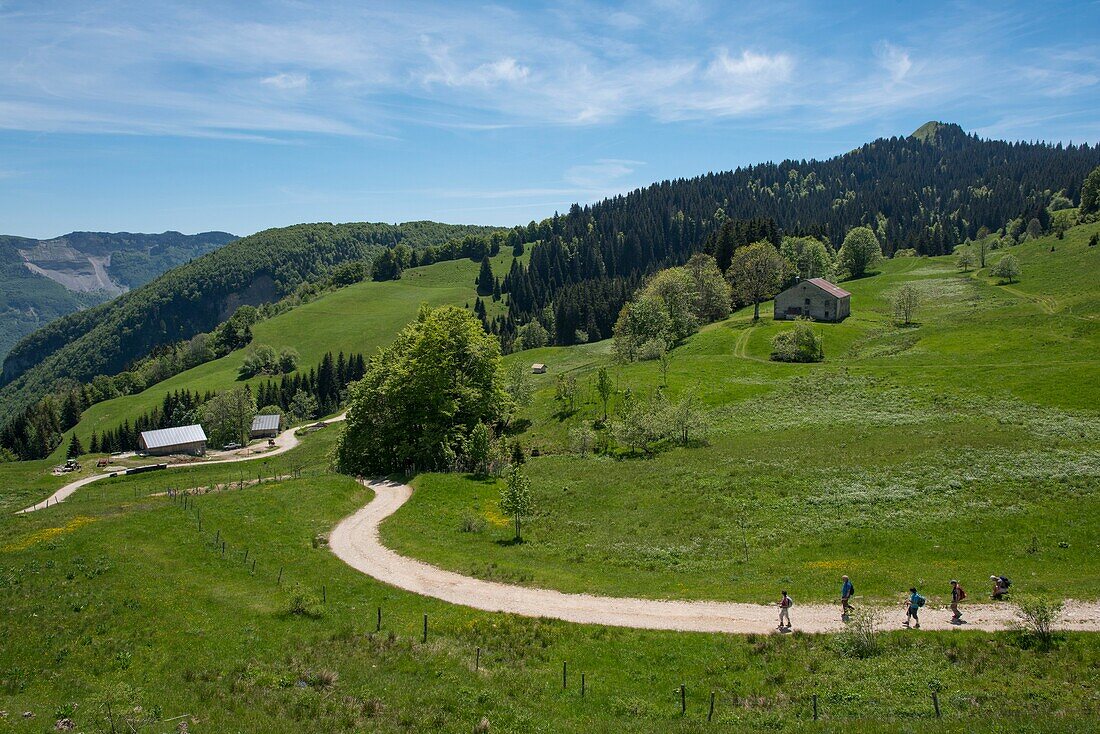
(815, 298)
(266, 426)
(177, 440)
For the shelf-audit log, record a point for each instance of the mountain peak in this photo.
(936, 132)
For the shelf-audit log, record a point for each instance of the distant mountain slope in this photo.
(41, 280)
(196, 297)
(928, 191)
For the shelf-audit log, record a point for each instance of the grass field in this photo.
(964, 446)
(117, 607)
(358, 318)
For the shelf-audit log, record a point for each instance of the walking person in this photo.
(785, 604)
(846, 592)
(957, 595)
(916, 601)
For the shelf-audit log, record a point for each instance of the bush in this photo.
(304, 605)
(860, 637)
(800, 344)
(1038, 618)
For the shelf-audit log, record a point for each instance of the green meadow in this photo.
(119, 612)
(960, 447)
(358, 318)
(965, 445)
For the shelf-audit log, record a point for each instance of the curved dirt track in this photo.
(284, 442)
(355, 540)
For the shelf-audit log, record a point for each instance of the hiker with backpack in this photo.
(847, 590)
(1000, 586)
(916, 601)
(957, 595)
(785, 604)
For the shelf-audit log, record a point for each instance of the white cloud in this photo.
(894, 60)
(286, 80)
(600, 174)
(347, 68)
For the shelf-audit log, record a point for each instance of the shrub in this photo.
(1038, 618)
(304, 605)
(800, 344)
(860, 637)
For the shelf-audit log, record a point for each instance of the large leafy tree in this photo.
(808, 256)
(860, 252)
(756, 274)
(1090, 193)
(423, 395)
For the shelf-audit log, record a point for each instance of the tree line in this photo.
(924, 194)
(302, 396)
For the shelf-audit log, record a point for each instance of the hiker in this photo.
(846, 592)
(957, 595)
(916, 601)
(785, 605)
(1000, 586)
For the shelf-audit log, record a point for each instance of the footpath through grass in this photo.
(118, 609)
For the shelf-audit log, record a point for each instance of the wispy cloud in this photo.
(276, 69)
(601, 174)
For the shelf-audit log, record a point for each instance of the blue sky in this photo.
(241, 116)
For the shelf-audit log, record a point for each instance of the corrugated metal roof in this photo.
(265, 423)
(172, 436)
(829, 287)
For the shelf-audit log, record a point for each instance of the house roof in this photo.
(829, 287)
(538, 366)
(265, 423)
(172, 436)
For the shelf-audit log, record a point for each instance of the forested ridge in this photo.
(29, 300)
(195, 298)
(928, 192)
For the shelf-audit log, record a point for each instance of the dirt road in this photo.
(284, 442)
(355, 540)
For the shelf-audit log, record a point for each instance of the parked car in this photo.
(232, 446)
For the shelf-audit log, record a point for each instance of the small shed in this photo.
(815, 298)
(177, 440)
(538, 368)
(266, 426)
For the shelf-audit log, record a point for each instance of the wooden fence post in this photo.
(378, 628)
(710, 714)
(683, 699)
(564, 672)
(815, 707)
(477, 660)
(279, 582)
(425, 628)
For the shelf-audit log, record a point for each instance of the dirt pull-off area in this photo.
(355, 540)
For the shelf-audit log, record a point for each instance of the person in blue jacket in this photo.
(846, 592)
(916, 601)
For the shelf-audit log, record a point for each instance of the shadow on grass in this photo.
(509, 542)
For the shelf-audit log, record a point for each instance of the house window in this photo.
(807, 301)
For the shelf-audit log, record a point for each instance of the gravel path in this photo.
(284, 442)
(355, 540)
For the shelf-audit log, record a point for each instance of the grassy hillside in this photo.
(358, 318)
(149, 625)
(195, 298)
(964, 446)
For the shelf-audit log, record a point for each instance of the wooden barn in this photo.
(266, 426)
(177, 440)
(815, 298)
